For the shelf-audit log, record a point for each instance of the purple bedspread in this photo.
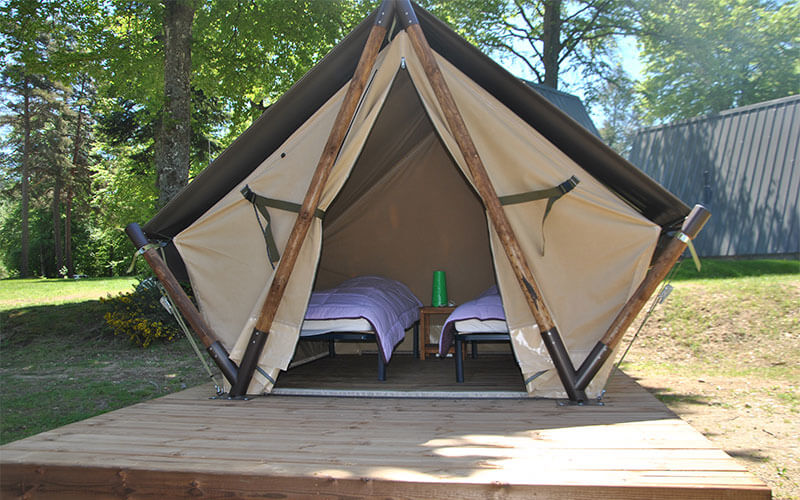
(487, 306)
(388, 304)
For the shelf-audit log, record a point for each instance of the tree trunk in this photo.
(76, 160)
(24, 269)
(68, 233)
(56, 210)
(172, 154)
(551, 41)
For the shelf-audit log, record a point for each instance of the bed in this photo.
(479, 320)
(366, 308)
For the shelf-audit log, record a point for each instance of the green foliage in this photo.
(250, 53)
(706, 56)
(616, 102)
(580, 40)
(140, 317)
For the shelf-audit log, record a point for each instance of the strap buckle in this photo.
(248, 193)
(568, 185)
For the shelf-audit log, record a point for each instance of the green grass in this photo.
(16, 293)
(59, 362)
(732, 322)
(725, 269)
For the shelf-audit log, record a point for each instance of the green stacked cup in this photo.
(439, 297)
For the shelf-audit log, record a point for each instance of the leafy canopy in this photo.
(705, 56)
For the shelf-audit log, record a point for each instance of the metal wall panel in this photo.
(744, 164)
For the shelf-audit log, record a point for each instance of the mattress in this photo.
(313, 327)
(385, 304)
(474, 325)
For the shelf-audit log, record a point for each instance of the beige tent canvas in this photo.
(401, 199)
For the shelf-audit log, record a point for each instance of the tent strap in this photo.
(260, 205)
(550, 194)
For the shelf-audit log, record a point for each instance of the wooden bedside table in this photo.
(426, 313)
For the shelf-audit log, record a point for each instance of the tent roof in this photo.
(568, 103)
(282, 118)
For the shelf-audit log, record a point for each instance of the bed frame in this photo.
(474, 338)
(333, 337)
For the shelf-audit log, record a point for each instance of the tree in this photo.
(111, 57)
(21, 49)
(616, 100)
(550, 37)
(705, 56)
(243, 53)
(78, 179)
(175, 130)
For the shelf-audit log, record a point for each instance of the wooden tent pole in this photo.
(497, 215)
(183, 303)
(480, 178)
(602, 350)
(311, 201)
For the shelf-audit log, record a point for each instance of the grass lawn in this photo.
(60, 363)
(723, 352)
(17, 293)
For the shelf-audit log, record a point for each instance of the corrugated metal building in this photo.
(744, 164)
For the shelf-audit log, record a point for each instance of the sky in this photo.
(628, 52)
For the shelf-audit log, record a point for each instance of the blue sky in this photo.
(628, 52)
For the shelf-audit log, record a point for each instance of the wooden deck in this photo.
(188, 446)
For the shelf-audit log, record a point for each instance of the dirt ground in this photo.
(747, 418)
(736, 380)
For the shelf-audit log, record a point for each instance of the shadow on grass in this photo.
(75, 320)
(61, 363)
(666, 396)
(750, 455)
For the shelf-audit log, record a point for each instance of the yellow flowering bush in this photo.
(139, 316)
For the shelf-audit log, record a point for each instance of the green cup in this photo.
(439, 296)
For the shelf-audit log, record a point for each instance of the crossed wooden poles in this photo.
(574, 380)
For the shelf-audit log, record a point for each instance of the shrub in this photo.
(139, 315)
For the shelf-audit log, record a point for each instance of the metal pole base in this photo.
(587, 402)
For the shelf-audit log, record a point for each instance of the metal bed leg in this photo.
(416, 340)
(381, 367)
(474, 349)
(331, 348)
(459, 361)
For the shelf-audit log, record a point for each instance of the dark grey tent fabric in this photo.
(283, 117)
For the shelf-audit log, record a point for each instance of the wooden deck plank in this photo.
(186, 445)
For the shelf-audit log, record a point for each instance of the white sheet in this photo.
(312, 327)
(478, 326)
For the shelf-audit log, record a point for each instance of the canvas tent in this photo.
(402, 199)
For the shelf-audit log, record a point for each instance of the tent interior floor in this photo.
(488, 375)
